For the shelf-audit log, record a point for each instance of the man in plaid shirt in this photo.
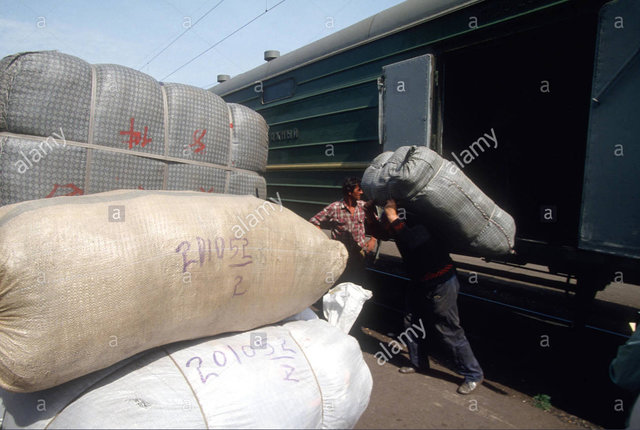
(346, 220)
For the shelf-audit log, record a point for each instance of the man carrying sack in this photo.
(432, 293)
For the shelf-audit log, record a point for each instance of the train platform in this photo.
(404, 401)
(540, 372)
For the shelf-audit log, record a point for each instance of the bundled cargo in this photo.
(246, 128)
(88, 281)
(438, 191)
(303, 374)
(118, 128)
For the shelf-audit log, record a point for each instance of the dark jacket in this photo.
(425, 256)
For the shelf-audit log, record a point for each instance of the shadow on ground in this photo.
(526, 354)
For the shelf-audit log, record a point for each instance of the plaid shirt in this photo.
(346, 227)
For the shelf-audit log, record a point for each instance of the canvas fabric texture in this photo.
(446, 199)
(98, 278)
(114, 114)
(308, 375)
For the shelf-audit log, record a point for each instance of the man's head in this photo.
(351, 188)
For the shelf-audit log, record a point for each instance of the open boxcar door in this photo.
(406, 103)
(610, 212)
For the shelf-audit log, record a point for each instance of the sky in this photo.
(226, 36)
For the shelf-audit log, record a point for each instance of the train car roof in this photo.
(392, 20)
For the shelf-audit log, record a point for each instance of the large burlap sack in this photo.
(443, 197)
(303, 374)
(88, 281)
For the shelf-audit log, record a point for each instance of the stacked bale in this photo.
(89, 281)
(304, 374)
(144, 269)
(71, 128)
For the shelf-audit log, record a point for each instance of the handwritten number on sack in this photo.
(253, 351)
(233, 248)
(288, 372)
(185, 261)
(202, 250)
(238, 280)
(215, 358)
(244, 252)
(268, 345)
(219, 247)
(202, 377)
(286, 349)
(235, 353)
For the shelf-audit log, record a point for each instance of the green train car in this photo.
(537, 100)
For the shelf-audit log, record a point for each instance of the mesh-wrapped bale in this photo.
(308, 375)
(243, 183)
(198, 178)
(128, 110)
(110, 171)
(41, 92)
(49, 95)
(34, 169)
(90, 280)
(198, 124)
(444, 197)
(249, 139)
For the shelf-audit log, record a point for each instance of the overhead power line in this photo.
(223, 39)
(181, 34)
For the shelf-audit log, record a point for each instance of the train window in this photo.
(278, 91)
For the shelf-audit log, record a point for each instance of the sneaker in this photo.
(468, 386)
(407, 369)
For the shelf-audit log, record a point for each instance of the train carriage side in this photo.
(520, 72)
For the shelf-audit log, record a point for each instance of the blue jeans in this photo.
(436, 306)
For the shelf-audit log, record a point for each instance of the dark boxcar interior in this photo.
(532, 89)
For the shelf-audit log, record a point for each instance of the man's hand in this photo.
(370, 209)
(370, 246)
(391, 210)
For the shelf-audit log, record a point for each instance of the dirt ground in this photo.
(430, 401)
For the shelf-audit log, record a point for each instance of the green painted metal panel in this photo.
(329, 153)
(353, 125)
(358, 96)
(610, 216)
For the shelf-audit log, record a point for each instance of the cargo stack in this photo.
(111, 292)
(71, 128)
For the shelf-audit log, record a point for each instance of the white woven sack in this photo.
(307, 375)
(445, 199)
(343, 303)
(90, 280)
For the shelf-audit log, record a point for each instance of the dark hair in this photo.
(350, 184)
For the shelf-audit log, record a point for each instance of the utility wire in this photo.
(222, 40)
(181, 34)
